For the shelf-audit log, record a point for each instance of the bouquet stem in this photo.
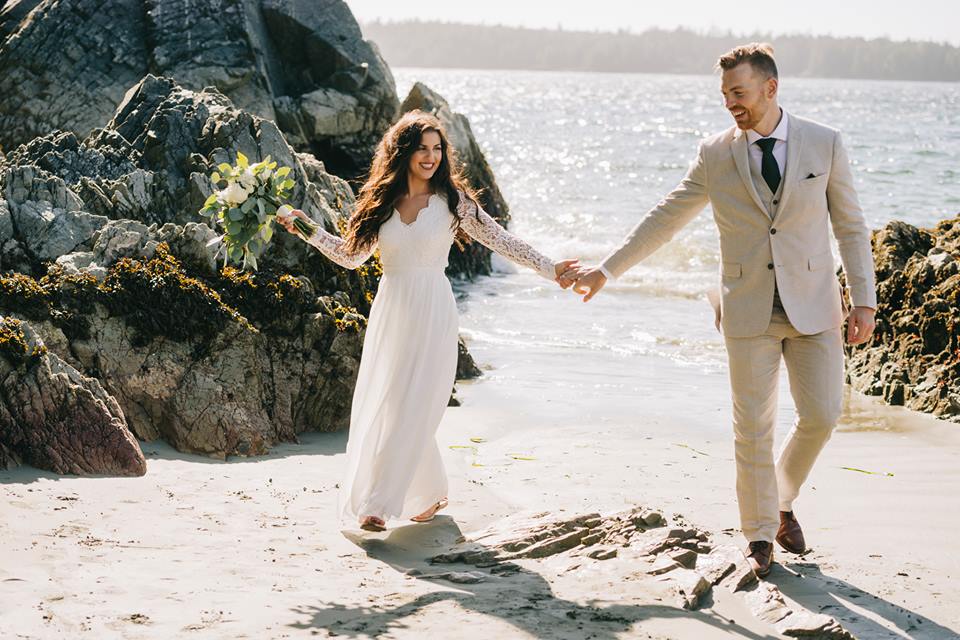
(304, 228)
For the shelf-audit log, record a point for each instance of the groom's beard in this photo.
(752, 117)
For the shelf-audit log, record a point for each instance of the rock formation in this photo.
(53, 417)
(106, 257)
(914, 358)
(151, 164)
(303, 64)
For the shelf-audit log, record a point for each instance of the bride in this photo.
(413, 206)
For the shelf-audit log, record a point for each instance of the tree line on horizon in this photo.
(451, 45)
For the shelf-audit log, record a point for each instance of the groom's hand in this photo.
(860, 325)
(590, 283)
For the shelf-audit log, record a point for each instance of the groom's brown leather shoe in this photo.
(790, 535)
(761, 557)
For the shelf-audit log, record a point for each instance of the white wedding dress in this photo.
(394, 469)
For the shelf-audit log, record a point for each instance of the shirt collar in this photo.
(780, 133)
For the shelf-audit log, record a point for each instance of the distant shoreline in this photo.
(791, 79)
(445, 45)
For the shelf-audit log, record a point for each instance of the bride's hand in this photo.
(285, 219)
(567, 272)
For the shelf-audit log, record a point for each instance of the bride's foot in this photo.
(373, 523)
(431, 513)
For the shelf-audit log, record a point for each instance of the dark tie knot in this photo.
(766, 144)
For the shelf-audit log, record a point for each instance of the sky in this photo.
(936, 20)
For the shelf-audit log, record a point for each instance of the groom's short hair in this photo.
(758, 54)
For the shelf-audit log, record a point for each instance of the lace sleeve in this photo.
(335, 248)
(485, 229)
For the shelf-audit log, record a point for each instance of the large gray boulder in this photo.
(53, 417)
(66, 64)
(473, 259)
(47, 215)
(150, 164)
(338, 95)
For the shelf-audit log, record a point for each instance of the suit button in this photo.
(770, 266)
(773, 232)
(776, 202)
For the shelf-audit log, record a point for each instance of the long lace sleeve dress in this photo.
(394, 469)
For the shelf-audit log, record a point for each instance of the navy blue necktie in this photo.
(768, 164)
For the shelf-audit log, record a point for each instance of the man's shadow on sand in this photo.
(806, 584)
(521, 597)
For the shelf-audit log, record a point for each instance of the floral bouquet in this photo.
(246, 207)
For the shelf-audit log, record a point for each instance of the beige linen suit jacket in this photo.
(788, 247)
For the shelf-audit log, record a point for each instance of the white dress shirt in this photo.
(779, 148)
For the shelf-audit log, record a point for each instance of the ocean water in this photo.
(581, 157)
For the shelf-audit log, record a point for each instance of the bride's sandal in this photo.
(373, 523)
(431, 513)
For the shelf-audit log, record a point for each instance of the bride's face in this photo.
(427, 157)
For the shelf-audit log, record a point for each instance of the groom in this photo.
(776, 182)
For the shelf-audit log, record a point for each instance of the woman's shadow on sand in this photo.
(521, 597)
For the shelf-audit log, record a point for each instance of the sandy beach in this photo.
(591, 465)
(247, 548)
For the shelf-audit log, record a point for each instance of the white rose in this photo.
(284, 211)
(248, 180)
(234, 194)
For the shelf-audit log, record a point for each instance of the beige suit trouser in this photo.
(815, 370)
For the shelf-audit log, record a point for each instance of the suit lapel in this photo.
(742, 160)
(794, 147)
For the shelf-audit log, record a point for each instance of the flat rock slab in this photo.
(682, 562)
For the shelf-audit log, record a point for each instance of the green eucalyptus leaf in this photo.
(244, 235)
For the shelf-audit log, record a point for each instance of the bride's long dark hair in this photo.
(387, 180)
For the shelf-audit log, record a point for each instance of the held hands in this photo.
(586, 281)
(589, 283)
(860, 325)
(565, 272)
